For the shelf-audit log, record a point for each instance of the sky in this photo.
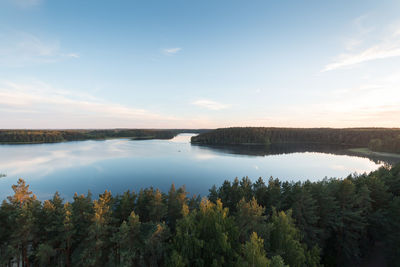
(199, 64)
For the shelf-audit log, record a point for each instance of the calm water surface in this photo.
(121, 164)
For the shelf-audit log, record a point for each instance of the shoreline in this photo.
(369, 152)
(131, 138)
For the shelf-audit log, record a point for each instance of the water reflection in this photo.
(44, 159)
(279, 149)
(122, 164)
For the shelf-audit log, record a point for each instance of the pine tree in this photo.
(351, 223)
(21, 193)
(393, 232)
(260, 192)
(144, 204)
(52, 224)
(81, 220)
(230, 194)
(7, 225)
(213, 195)
(273, 195)
(285, 239)
(68, 233)
(26, 213)
(277, 261)
(207, 237)
(124, 205)
(129, 242)
(98, 243)
(175, 202)
(158, 206)
(326, 210)
(156, 246)
(250, 218)
(253, 254)
(304, 210)
(246, 190)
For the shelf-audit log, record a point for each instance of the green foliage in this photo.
(250, 218)
(376, 139)
(128, 241)
(123, 206)
(207, 237)
(331, 222)
(176, 205)
(277, 261)
(304, 210)
(393, 232)
(253, 254)
(388, 143)
(53, 136)
(21, 194)
(350, 222)
(45, 253)
(285, 239)
(97, 242)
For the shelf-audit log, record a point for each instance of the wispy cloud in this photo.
(44, 106)
(48, 161)
(20, 49)
(384, 45)
(73, 55)
(380, 51)
(172, 51)
(209, 104)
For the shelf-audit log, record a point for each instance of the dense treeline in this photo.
(52, 136)
(376, 139)
(332, 222)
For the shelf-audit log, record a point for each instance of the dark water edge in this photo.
(289, 148)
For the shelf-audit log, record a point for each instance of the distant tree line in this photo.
(376, 139)
(333, 222)
(53, 136)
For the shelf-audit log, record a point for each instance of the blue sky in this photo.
(199, 64)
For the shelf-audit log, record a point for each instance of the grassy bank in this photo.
(368, 152)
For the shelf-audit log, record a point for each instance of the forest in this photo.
(54, 136)
(376, 139)
(332, 222)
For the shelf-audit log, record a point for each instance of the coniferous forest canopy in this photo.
(333, 222)
(53, 136)
(376, 139)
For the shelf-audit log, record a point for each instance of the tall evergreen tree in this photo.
(97, 244)
(285, 241)
(129, 242)
(253, 254)
(207, 237)
(351, 223)
(175, 202)
(250, 218)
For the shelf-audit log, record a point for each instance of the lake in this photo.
(122, 164)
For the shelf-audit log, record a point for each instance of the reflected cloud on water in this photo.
(122, 164)
(43, 159)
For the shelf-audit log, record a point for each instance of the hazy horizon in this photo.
(199, 65)
(152, 128)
